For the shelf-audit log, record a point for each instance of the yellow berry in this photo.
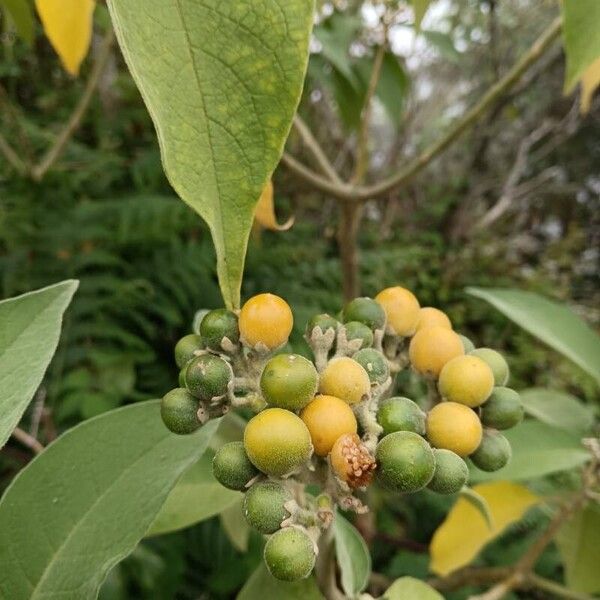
(466, 380)
(433, 317)
(277, 441)
(454, 427)
(402, 310)
(265, 320)
(346, 379)
(352, 461)
(431, 348)
(327, 418)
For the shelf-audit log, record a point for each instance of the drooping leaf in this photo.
(235, 525)
(88, 499)
(22, 16)
(581, 35)
(409, 588)
(265, 211)
(549, 321)
(29, 330)
(196, 496)
(221, 81)
(590, 80)
(443, 43)
(479, 502)
(263, 585)
(578, 544)
(537, 450)
(557, 409)
(455, 545)
(352, 555)
(420, 8)
(68, 26)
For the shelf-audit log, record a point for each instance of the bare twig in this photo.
(27, 440)
(12, 157)
(54, 152)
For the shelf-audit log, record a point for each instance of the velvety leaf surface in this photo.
(409, 588)
(352, 556)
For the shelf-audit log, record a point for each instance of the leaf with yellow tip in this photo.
(455, 545)
(265, 211)
(590, 80)
(68, 26)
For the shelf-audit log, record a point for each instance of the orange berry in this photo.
(454, 427)
(401, 309)
(267, 320)
(346, 379)
(467, 380)
(433, 317)
(431, 348)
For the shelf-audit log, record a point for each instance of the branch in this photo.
(53, 153)
(27, 440)
(348, 192)
(12, 157)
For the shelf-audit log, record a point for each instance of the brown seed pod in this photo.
(351, 461)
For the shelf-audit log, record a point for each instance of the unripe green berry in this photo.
(323, 321)
(365, 310)
(217, 325)
(374, 363)
(401, 414)
(181, 377)
(232, 467)
(451, 472)
(405, 462)
(289, 381)
(496, 362)
(179, 411)
(468, 345)
(359, 331)
(186, 349)
(290, 554)
(503, 409)
(207, 376)
(493, 453)
(264, 506)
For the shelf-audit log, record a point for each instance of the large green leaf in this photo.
(557, 409)
(87, 500)
(409, 588)
(221, 81)
(581, 33)
(262, 586)
(549, 321)
(352, 556)
(537, 450)
(29, 330)
(196, 496)
(235, 525)
(577, 541)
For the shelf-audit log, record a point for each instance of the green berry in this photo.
(289, 381)
(359, 331)
(365, 310)
(401, 414)
(493, 453)
(374, 363)
(217, 325)
(264, 506)
(232, 467)
(468, 345)
(290, 554)
(179, 411)
(451, 472)
(323, 321)
(186, 349)
(405, 462)
(181, 377)
(496, 362)
(503, 409)
(207, 376)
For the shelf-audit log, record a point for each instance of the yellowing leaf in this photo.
(465, 531)
(265, 211)
(68, 26)
(590, 80)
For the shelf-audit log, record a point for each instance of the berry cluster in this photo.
(334, 421)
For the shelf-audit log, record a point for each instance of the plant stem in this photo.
(350, 215)
(27, 440)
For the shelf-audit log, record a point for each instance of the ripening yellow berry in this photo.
(431, 348)
(454, 427)
(401, 309)
(433, 317)
(265, 320)
(327, 418)
(466, 380)
(346, 379)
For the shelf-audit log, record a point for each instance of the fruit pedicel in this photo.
(336, 423)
